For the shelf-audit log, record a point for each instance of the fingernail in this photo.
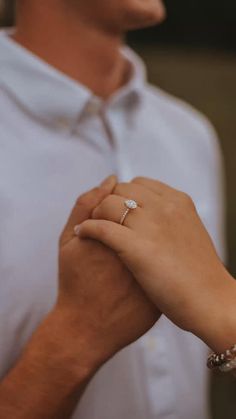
(108, 181)
(77, 230)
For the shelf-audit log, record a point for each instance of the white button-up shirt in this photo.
(56, 141)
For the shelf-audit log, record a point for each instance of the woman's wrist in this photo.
(216, 323)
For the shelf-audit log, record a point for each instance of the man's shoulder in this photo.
(180, 116)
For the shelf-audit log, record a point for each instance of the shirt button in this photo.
(151, 343)
(62, 123)
(93, 107)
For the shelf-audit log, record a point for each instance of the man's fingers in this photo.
(85, 205)
(116, 237)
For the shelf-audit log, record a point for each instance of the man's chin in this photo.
(146, 16)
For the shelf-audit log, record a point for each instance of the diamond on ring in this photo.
(129, 203)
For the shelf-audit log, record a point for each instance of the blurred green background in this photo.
(193, 55)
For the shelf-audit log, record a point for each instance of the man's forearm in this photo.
(50, 377)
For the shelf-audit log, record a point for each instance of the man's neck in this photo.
(82, 52)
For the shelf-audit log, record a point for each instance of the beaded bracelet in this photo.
(225, 362)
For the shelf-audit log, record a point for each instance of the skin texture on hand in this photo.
(165, 245)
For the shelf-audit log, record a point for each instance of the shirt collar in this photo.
(50, 95)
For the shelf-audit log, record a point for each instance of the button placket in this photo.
(94, 106)
(118, 127)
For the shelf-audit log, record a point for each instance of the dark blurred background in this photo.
(193, 56)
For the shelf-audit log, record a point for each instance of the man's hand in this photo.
(97, 292)
(100, 309)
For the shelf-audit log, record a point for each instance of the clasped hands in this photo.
(116, 280)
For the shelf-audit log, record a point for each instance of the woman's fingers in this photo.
(113, 208)
(118, 238)
(155, 186)
(147, 193)
(85, 205)
(144, 197)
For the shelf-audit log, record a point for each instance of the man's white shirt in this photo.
(56, 141)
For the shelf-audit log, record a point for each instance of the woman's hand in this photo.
(165, 245)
